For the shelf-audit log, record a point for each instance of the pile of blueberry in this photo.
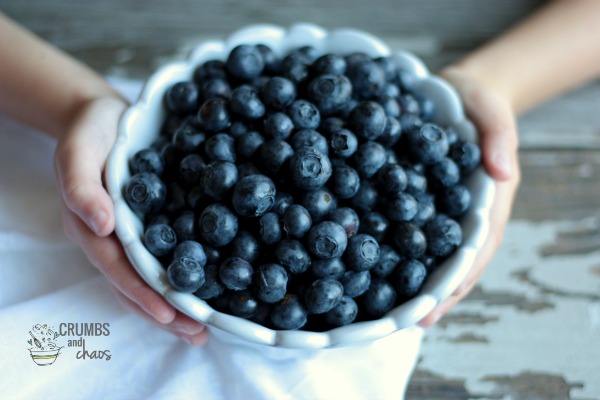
(302, 192)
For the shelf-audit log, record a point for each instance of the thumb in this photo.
(80, 159)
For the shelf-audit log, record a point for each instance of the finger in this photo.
(192, 333)
(79, 162)
(107, 254)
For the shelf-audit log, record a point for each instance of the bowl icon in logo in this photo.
(44, 357)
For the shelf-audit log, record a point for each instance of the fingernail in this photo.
(98, 221)
(502, 162)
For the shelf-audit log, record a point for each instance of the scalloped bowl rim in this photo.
(439, 286)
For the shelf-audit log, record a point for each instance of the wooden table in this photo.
(531, 328)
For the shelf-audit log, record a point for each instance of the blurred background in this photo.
(531, 328)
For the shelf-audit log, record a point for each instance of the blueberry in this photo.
(369, 157)
(416, 183)
(160, 239)
(209, 70)
(147, 160)
(216, 87)
(367, 120)
(329, 64)
(190, 249)
(318, 203)
(343, 143)
(409, 277)
(238, 128)
(195, 197)
(278, 93)
(246, 103)
(243, 304)
(292, 255)
(185, 274)
(344, 182)
(388, 260)
(443, 174)
(427, 144)
(270, 228)
(304, 114)
(374, 224)
(355, 283)
(219, 178)
(289, 313)
(392, 178)
(245, 62)
(245, 246)
(327, 240)
(182, 98)
(236, 273)
(274, 154)
(331, 125)
(379, 298)
(269, 58)
(282, 202)
(425, 211)
(295, 67)
(367, 77)
(253, 196)
(401, 207)
(410, 240)
(217, 225)
(157, 219)
(270, 282)
(443, 235)
(343, 313)
(247, 169)
(392, 132)
(362, 252)
(389, 68)
(309, 138)
(347, 218)
(191, 169)
(213, 255)
(212, 286)
(366, 197)
(310, 51)
(145, 193)
(332, 268)
(310, 169)
(278, 125)
(248, 143)
(322, 295)
(214, 115)
(176, 198)
(454, 201)
(220, 147)
(390, 106)
(188, 138)
(390, 90)
(185, 226)
(329, 92)
(296, 221)
(466, 155)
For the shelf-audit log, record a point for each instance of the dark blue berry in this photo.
(329, 64)
(246, 103)
(389, 68)
(214, 115)
(185, 226)
(369, 157)
(416, 183)
(425, 212)
(427, 144)
(366, 197)
(282, 202)
(269, 58)
(289, 313)
(147, 160)
(444, 174)
(220, 147)
(274, 154)
(245, 246)
(379, 298)
(243, 304)
(209, 70)
(443, 235)
(188, 138)
(343, 143)
(454, 201)
(309, 138)
(191, 170)
(347, 218)
(212, 286)
(367, 78)
(322, 295)
(362, 252)
(216, 87)
(270, 282)
(390, 106)
(278, 125)
(145, 193)
(329, 92)
(374, 224)
(182, 98)
(318, 203)
(401, 207)
(185, 274)
(213, 255)
(245, 62)
(410, 240)
(219, 178)
(367, 120)
(343, 313)
(270, 231)
(392, 132)
(332, 268)
(327, 240)
(295, 67)
(247, 169)
(217, 225)
(160, 239)
(292, 255)
(388, 260)
(253, 196)
(190, 249)
(238, 128)
(296, 221)
(344, 182)
(392, 178)
(466, 155)
(248, 143)
(409, 277)
(310, 169)
(304, 114)
(278, 93)
(355, 283)
(236, 273)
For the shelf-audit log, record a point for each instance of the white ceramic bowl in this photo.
(141, 124)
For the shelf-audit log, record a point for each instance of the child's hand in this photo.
(492, 114)
(89, 221)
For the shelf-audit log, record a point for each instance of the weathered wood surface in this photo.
(531, 328)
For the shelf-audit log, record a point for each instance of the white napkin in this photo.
(45, 279)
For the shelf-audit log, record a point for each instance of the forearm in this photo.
(40, 85)
(554, 50)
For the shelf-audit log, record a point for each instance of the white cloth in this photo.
(45, 279)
